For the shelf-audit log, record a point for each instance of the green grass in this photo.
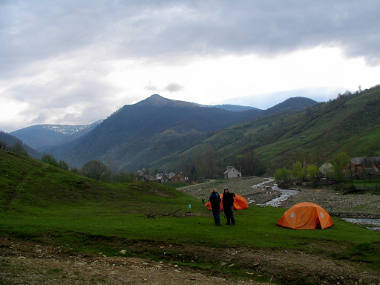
(256, 227)
(49, 204)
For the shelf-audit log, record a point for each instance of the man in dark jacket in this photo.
(215, 205)
(228, 202)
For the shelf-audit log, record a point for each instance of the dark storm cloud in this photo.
(90, 33)
(40, 29)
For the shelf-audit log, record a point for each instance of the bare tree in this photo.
(94, 169)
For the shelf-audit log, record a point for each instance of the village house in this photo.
(326, 170)
(179, 177)
(231, 172)
(364, 166)
(162, 177)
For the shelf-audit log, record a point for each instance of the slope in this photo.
(12, 140)
(350, 123)
(138, 134)
(42, 136)
(41, 203)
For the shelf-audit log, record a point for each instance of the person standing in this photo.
(228, 202)
(215, 206)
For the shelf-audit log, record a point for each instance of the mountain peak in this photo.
(292, 104)
(158, 100)
(155, 100)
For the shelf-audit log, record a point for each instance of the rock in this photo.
(231, 265)
(123, 251)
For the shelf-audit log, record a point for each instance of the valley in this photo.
(67, 227)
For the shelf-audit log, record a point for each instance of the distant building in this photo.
(179, 177)
(326, 170)
(364, 166)
(231, 172)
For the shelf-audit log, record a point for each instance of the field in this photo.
(75, 216)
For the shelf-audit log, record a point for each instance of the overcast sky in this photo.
(77, 61)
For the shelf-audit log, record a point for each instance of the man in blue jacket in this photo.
(215, 206)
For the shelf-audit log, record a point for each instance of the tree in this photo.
(19, 149)
(312, 172)
(340, 160)
(3, 145)
(95, 169)
(208, 159)
(63, 164)
(298, 171)
(48, 158)
(249, 164)
(283, 176)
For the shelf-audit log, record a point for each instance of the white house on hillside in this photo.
(231, 172)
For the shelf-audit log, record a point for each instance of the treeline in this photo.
(304, 172)
(207, 165)
(93, 169)
(17, 148)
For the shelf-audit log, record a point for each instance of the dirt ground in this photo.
(242, 186)
(31, 263)
(25, 262)
(352, 205)
(337, 204)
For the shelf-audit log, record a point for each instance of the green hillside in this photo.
(31, 186)
(350, 123)
(46, 204)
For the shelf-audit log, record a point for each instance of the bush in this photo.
(283, 176)
(48, 158)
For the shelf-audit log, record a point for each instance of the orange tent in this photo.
(305, 215)
(240, 203)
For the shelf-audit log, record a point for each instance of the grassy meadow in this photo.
(46, 204)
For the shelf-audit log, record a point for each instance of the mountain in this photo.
(153, 128)
(42, 136)
(350, 123)
(290, 105)
(234, 108)
(12, 141)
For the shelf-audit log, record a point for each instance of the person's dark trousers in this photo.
(216, 214)
(229, 215)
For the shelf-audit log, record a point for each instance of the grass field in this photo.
(46, 204)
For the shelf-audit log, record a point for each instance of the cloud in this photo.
(56, 56)
(167, 30)
(174, 87)
(150, 87)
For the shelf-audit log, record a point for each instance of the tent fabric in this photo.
(305, 215)
(240, 203)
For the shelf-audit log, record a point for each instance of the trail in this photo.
(12, 194)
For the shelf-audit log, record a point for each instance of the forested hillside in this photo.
(350, 123)
(42, 136)
(149, 130)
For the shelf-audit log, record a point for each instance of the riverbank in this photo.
(364, 208)
(339, 205)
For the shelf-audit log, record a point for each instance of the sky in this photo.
(78, 61)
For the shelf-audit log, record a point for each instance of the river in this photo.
(372, 224)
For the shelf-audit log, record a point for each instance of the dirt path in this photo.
(243, 186)
(31, 263)
(25, 262)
